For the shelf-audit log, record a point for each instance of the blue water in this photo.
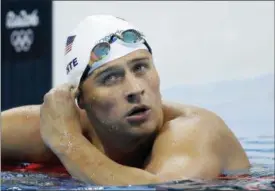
(259, 149)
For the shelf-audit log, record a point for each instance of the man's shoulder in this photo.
(191, 132)
(196, 130)
(192, 121)
(179, 110)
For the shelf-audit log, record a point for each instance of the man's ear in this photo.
(79, 98)
(80, 101)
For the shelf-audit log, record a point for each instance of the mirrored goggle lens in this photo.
(99, 52)
(131, 36)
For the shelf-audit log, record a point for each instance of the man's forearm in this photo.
(85, 162)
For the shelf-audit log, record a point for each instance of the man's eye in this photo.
(140, 67)
(111, 79)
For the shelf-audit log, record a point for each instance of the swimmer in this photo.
(109, 124)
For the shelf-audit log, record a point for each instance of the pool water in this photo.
(259, 149)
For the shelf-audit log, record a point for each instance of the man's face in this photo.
(124, 96)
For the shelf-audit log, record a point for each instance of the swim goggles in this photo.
(102, 48)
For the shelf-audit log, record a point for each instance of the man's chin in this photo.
(146, 129)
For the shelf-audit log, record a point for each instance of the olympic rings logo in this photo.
(22, 40)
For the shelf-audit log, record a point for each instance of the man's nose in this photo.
(135, 97)
(135, 91)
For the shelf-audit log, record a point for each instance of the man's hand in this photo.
(59, 118)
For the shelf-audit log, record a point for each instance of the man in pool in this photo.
(109, 125)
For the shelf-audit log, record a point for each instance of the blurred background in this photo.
(217, 55)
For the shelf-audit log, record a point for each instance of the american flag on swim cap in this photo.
(69, 44)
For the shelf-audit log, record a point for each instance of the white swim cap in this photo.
(86, 35)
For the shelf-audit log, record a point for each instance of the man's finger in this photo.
(66, 86)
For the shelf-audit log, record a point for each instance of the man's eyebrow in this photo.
(109, 69)
(138, 59)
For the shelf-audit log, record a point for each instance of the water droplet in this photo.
(112, 176)
(92, 175)
(104, 122)
(113, 128)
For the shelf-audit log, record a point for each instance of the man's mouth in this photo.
(138, 114)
